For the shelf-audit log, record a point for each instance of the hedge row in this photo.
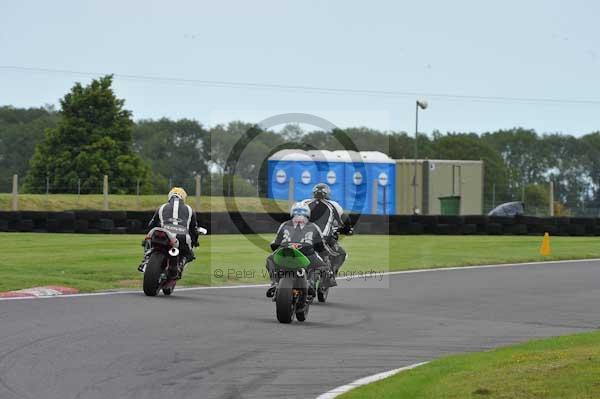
(135, 222)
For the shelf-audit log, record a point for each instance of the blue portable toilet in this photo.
(287, 164)
(306, 175)
(355, 182)
(332, 172)
(381, 171)
(280, 170)
(351, 176)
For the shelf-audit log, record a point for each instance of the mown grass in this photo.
(99, 262)
(63, 202)
(564, 367)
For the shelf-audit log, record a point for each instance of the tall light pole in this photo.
(423, 105)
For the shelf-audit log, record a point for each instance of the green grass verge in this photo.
(63, 202)
(98, 262)
(564, 367)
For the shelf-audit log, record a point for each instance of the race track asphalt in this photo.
(226, 343)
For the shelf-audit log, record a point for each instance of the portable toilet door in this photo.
(331, 172)
(356, 181)
(306, 175)
(381, 177)
(384, 176)
(280, 171)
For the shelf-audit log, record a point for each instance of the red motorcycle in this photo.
(165, 264)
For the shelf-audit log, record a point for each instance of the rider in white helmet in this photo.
(301, 231)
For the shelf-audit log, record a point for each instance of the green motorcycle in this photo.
(291, 296)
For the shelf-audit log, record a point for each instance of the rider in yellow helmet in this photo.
(176, 212)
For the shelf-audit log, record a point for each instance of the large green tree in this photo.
(470, 147)
(176, 151)
(93, 138)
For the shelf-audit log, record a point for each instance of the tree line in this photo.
(92, 134)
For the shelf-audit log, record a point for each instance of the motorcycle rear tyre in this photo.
(284, 301)
(152, 274)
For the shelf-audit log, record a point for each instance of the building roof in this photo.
(331, 156)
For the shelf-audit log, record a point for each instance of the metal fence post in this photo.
(78, 190)
(198, 192)
(137, 194)
(15, 193)
(47, 190)
(551, 198)
(105, 193)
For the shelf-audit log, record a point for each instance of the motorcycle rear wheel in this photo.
(152, 274)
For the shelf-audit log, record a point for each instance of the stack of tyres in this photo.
(9, 221)
(429, 223)
(588, 225)
(33, 221)
(105, 225)
(86, 221)
(61, 222)
(134, 226)
(479, 221)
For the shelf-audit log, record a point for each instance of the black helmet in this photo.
(321, 191)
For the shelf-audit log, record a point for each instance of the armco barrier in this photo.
(135, 222)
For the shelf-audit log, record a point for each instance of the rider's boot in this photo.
(142, 266)
(271, 290)
(311, 289)
(180, 267)
(187, 258)
(331, 279)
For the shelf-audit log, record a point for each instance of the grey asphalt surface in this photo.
(226, 343)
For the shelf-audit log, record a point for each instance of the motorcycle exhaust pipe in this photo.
(174, 251)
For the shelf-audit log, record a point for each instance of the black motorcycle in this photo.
(165, 263)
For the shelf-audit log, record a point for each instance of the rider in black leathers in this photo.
(330, 218)
(177, 212)
(299, 230)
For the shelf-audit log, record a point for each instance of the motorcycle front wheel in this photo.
(152, 274)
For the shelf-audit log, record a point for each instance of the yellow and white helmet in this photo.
(177, 192)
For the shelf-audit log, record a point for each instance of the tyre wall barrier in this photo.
(136, 222)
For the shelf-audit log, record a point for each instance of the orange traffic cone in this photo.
(545, 248)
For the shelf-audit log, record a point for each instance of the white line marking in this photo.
(335, 392)
(222, 287)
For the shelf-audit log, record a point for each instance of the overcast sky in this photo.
(513, 53)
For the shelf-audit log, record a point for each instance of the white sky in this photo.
(518, 49)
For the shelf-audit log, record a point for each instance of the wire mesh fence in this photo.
(141, 195)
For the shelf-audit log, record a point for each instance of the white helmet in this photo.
(300, 209)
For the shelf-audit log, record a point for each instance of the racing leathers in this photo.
(330, 217)
(177, 213)
(310, 236)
